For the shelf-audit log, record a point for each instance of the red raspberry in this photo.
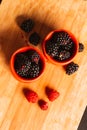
(52, 94)
(31, 95)
(43, 104)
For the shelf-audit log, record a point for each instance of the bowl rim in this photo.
(24, 49)
(60, 62)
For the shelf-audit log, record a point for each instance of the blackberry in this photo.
(22, 65)
(33, 56)
(81, 47)
(34, 38)
(62, 38)
(52, 48)
(34, 71)
(71, 68)
(69, 45)
(27, 25)
(63, 55)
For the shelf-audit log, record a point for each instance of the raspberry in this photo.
(43, 104)
(27, 25)
(81, 47)
(71, 68)
(34, 38)
(52, 94)
(31, 95)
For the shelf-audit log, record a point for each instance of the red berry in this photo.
(43, 104)
(31, 95)
(52, 94)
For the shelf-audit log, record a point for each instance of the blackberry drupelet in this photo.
(22, 65)
(81, 47)
(71, 68)
(63, 55)
(34, 38)
(27, 25)
(34, 70)
(52, 48)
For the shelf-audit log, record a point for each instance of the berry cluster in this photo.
(27, 64)
(60, 46)
(27, 26)
(33, 97)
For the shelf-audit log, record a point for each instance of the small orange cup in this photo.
(12, 62)
(56, 62)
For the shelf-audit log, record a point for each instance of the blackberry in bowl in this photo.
(27, 64)
(60, 47)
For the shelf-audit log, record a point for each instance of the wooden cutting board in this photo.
(65, 113)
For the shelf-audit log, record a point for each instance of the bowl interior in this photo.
(24, 50)
(74, 51)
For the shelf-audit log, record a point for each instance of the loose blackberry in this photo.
(34, 71)
(71, 68)
(62, 38)
(22, 65)
(63, 55)
(27, 25)
(81, 47)
(34, 38)
(52, 48)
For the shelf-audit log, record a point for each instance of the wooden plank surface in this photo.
(16, 113)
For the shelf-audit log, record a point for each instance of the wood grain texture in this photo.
(65, 113)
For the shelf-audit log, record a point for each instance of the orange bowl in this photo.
(51, 59)
(12, 63)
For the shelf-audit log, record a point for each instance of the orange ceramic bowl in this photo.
(12, 62)
(58, 62)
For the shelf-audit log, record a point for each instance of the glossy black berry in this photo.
(34, 70)
(52, 48)
(62, 55)
(81, 47)
(69, 46)
(22, 64)
(34, 38)
(62, 38)
(71, 68)
(33, 56)
(27, 25)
